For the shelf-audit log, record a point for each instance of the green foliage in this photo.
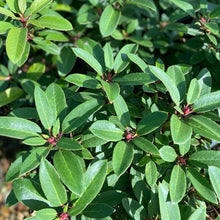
(116, 104)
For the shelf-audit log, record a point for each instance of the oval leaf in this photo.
(109, 21)
(193, 91)
(167, 153)
(214, 173)
(122, 157)
(16, 43)
(51, 185)
(112, 90)
(151, 173)
(68, 144)
(106, 130)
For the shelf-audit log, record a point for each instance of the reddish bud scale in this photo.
(64, 216)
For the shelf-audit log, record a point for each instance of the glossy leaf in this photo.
(193, 91)
(201, 185)
(112, 90)
(169, 84)
(30, 194)
(184, 148)
(68, 144)
(151, 122)
(177, 184)
(38, 5)
(25, 55)
(108, 56)
(122, 157)
(180, 132)
(205, 158)
(18, 128)
(5, 26)
(151, 173)
(16, 43)
(109, 21)
(48, 214)
(56, 98)
(146, 145)
(205, 81)
(70, 170)
(6, 12)
(143, 4)
(83, 81)
(134, 209)
(80, 114)
(55, 23)
(198, 214)
(9, 95)
(122, 111)
(88, 58)
(122, 60)
(22, 4)
(138, 61)
(167, 153)
(106, 130)
(51, 184)
(33, 159)
(185, 6)
(215, 12)
(207, 102)
(44, 109)
(204, 126)
(214, 173)
(94, 179)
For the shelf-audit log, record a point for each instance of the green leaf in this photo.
(205, 158)
(106, 130)
(177, 184)
(68, 144)
(16, 43)
(112, 90)
(193, 91)
(185, 6)
(65, 61)
(109, 21)
(198, 214)
(5, 26)
(122, 60)
(18, 128)
(9, 95)
(184, 148)
(151, 173)
(167, 153)
(122, 157)
(180, 132)
(44, 109)
(143, 4)
(57, 100)
(80, 114)
(25, 55)
(33, 159)
(168, 82)
(25, 112)
(94, 179)
(38, 5)
(70, 170)
(51, 185)
(213, 27)
(88, 58)
(55, 23)
(207, 102)
(176, 74)
(6, 12)
(205, 81)
(135, 79)
(22, 4)
(35, 71)
(215, 12)
(82, 80)
(122, 111)
(146, 145)
(48, 214)
(151, 122)
(108, 56)
(214, 173)
(168, 210)
(36, 141)
(139, 62)
(201, 185)
(13, 5)
(204, 127)
(30, 194)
